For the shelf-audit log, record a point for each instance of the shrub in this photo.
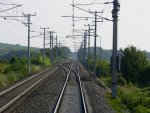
(120, 79)
(3, 80)
(141, 109)
(35, 68)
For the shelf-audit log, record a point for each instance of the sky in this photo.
(133, 24)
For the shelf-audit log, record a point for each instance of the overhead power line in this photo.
(6, 4)
(94, 3)
(10, 8)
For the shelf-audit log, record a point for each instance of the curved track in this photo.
(71, 99)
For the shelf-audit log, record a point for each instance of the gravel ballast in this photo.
(43, 98)
(95, 93)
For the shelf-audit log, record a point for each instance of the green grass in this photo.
(7, 79)
(35, 68)
(12, 76)
(107, 81)
(130, 98)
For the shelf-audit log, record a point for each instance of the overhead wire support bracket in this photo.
(35, 36)
(94, 3)
(78, 17)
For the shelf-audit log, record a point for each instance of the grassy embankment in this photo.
(130, 98)
(16, 69)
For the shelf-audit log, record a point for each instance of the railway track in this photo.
(71, 98)
(13, 94)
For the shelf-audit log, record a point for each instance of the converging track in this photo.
(71, 99)
(14, 93)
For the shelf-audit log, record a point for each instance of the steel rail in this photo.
(21, 83)
(81, 91)
(24, 92)
(62, 92)
(71, 69)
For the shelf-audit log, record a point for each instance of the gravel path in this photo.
(96, 94)
(42, 99)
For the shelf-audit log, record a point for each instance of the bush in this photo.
(39, 61)
(116, 104)
(120, 79)
(9, 78)
(3, 80)
(141, 109)
(145, 77)
(35, 68)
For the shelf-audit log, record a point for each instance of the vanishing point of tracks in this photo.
(71, 99)
(13, 94)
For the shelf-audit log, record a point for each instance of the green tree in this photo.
(145, 77)
(133, 62)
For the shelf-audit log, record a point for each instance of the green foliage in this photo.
(103, 65)
(16, 69)
(47, 62)
(133, 62)
(130, 98)
(107, 80)
(40, 61)
(118, 106)
(16, 65)
(9, 78)
(64, 52)
(134, 99)
(3, 80)
(145, 77)
(35, 68)
(141, 109)
(121, 80)
(37, 61)
(105, 54)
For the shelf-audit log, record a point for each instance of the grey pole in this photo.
(100, 59)
(88, 45)
(29, 23)
(56, 49)
(44, 43)
(114, 54)
(59, 52)
(83, 49)
(44, 46)
(52, 47)
(84, 52)
(95, 36)
(29, 43)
